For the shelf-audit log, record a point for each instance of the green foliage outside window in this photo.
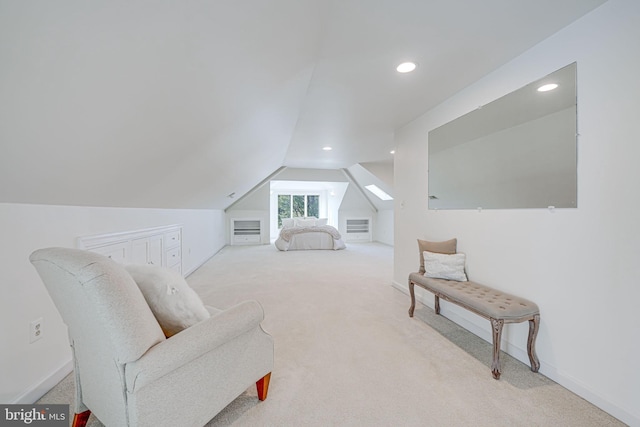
(284, 208)
(297, 206)
(313, 206)
(297, 210)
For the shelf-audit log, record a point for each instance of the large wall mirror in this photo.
(518, 151)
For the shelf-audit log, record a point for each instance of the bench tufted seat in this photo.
(480, 299)
(499, 307)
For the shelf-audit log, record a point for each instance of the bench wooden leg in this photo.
(413, 298)
(496, 325)
(531, 342)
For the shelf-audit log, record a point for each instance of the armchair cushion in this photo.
(204, 337)
(174, 304)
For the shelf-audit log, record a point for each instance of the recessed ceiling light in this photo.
(392, 152)
(547, 88)
(327, 148)
(406, 67)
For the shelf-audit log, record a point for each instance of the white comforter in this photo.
(305, 238)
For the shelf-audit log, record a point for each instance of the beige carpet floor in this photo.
(347, 353)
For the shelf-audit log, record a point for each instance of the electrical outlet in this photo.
(35, 330)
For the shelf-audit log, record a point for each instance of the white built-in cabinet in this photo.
(160, 246)
(246, 231)
(358, 229)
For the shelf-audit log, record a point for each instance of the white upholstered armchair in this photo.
(127, 373)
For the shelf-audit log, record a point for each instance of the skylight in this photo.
(378, 192)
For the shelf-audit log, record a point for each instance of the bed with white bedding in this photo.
(308, 234)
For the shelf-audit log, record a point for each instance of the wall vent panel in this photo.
(358, 229)
(246, 231)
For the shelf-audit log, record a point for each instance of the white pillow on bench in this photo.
(444, 266)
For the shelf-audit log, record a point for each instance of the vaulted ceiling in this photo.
(178, 104)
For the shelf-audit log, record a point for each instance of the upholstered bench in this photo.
(498, 307)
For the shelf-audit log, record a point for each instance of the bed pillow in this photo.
(321, 221)
(444, 266)
(446, 247)
(305, 222)
(174, 304)
(287, 222)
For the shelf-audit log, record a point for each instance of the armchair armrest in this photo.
(192, 343)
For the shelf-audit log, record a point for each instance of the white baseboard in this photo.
(202, 262)
(197, 266)
(40, 389)
(546, 369)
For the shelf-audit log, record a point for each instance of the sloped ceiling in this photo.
(178, 104)
(379, 174)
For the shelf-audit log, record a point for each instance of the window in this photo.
(297, 206)
(284, 208)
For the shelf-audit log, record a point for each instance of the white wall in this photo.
(580, 265)
(354, 205)
(383, 227)
(300, 174)
(253, 206)
(336, 196)
(29, 370)
(381, 175)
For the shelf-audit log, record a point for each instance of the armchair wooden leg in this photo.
(263, 386)
(80, 420)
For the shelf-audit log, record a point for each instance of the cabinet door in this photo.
(139, 251)
(147, 250)
(154, 250)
